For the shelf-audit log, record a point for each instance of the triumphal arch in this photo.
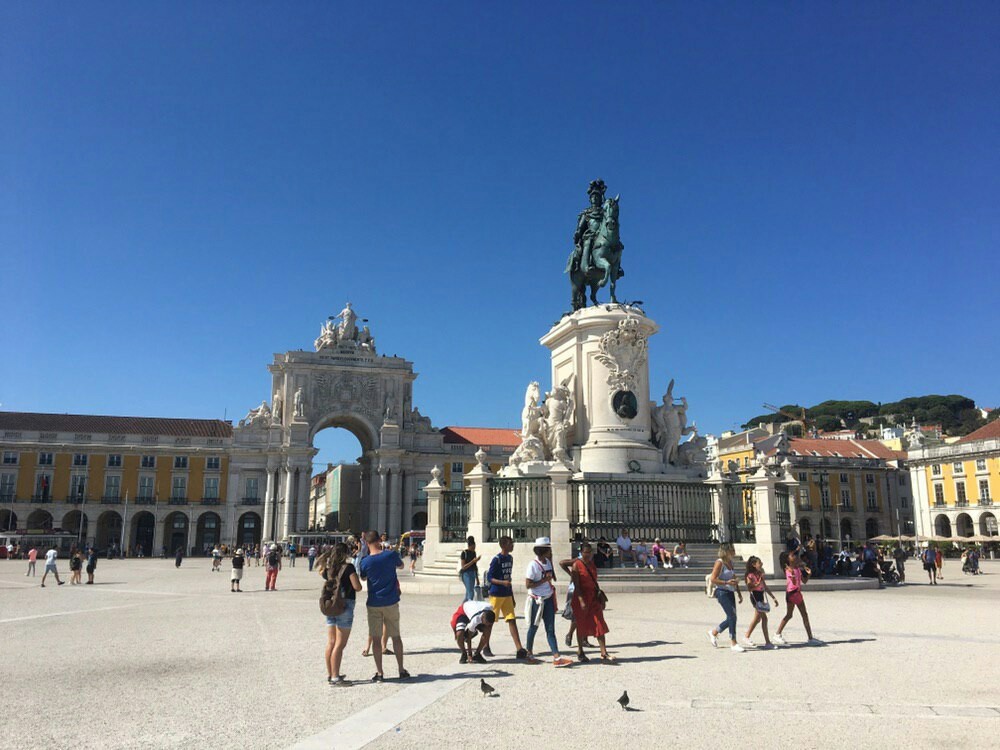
(341, 382)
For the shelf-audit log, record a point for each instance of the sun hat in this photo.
(239, 552)
(543, 541)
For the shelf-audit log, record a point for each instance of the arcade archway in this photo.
(248, 530)
(942, 525)
(76, 522)
(143, 533)
(208, 531)
(963, 525)
(40, 519)
(175, 532)
(8, 520)
(109, 529)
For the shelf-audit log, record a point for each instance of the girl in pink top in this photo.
(758, 589)
(793, 596)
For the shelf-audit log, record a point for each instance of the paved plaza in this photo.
(155, 657)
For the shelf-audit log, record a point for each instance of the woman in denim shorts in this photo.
(331, 565)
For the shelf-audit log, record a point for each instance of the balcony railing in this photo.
(961, 503)
(210, 501)
(251, 501)
(75, 500)
(46, 498)
(145, 501)
(939, 503)
(177, 501)
(111, 500)
(7, 497)
(985, 502)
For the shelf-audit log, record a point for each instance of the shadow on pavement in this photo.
(844, 642)
(640, 659)
(644, 644)
(418, 678)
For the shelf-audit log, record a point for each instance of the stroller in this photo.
(889, 573)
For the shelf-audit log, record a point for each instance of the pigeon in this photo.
(624, 701)
(486, 687)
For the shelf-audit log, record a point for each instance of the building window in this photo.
(178, 488)
(872, 500)
(456, 484)
(457, 468)
(146, 485)
(44, 459)
(804, 500)
(980, 464)
(869, 479)
(112, 486)
(43, 486)
(10, 458)
(984, 490)
(845, 498)
(180, 462)
(252, 488)
(8, 483)
(826, 497)
(213, 463)
(211, 488)
(958, 468)
(843, 479)
(902, 479)
(936, 469)
(421, 491)
(803, 477)
(79, 459)
(960, 498)
(148, 462)
(938, 494)
(78, 486)
(114, 460)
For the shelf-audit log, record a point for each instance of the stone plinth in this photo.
(603, 350)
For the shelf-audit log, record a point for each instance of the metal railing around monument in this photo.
(520, 508)
(672, 511)
(455, 507)
(783, 514)
(739, 511)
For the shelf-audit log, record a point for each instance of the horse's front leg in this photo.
(614, 299)
(593, 293)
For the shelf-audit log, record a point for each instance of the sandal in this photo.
(582, 657)
(366, 652)
(608, 659)
(388, 652)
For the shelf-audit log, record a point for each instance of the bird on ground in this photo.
(486, 687)
(623, 701)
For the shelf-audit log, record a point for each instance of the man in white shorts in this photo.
(50, 566)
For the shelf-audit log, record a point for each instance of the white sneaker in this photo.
(780, 639)
(749, 643)
(713, 639)
(737, 648)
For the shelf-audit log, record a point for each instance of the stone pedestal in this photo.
(435, 511)
(603, 350)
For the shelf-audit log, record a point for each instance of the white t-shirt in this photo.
(50, 557)
(624, 542)
(536, 572)
(475, 611)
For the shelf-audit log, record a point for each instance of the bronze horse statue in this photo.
(605, 260)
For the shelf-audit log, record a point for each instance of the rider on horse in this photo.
(587, 227)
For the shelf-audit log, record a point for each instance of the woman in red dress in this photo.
(588, 607)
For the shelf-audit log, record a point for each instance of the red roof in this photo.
(843, 448)
(989, 431)
(502, 436)
(91, 423)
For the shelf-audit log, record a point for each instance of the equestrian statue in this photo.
(597, 252)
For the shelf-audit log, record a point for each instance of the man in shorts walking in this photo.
(502, 596)
(50, 566)
(930, 566)
(379, 569)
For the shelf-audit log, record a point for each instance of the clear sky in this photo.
(809, 196)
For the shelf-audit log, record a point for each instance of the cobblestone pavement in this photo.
(156, 657)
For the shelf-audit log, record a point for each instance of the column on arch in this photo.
(267, 522)
(380, 503)
(289, 497)
(304, 489)
(395, 516)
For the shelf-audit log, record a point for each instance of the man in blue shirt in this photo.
(379, 570)
(502, 595)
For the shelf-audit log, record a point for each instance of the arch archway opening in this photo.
(109, 529)
(987, 524)
(76, 522)
(8, 520)
(805, 528)
(248, 530)
(208, 532)
(871, 528)
(40, 520)
(143, 532)
(963, 525)
(340, 485)
(175, 532)
(942, 525)
(846, 530)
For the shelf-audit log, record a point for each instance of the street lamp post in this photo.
(820, 477)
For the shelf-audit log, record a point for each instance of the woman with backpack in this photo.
(272, 568)
(340, 589)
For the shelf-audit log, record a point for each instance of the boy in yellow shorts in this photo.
(502, 595)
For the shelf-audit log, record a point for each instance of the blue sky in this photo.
(808, 196)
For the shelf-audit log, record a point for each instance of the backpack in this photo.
(272, 559)
(331, 603)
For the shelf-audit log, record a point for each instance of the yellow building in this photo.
(164, 481)
(955, 485)
(857, 486)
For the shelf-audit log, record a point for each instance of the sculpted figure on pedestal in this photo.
(692, 453)
(597, 251)
(532, 412)
(277, 404)
(558, 414)
(300, 402)
(347, 330)
(670, 425)
(256, 417)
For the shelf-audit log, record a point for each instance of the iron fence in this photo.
(740, 515)
(675, 511)
(783, 515)
(520, 508)
(455, 504)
